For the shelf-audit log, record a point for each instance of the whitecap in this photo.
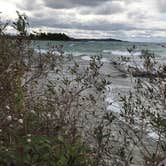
(76, 54)
(88, 58)
(112, 105)
(153, 135)
(107, 51)
(121, 53)
(43, 51)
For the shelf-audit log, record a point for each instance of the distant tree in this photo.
(49, 36)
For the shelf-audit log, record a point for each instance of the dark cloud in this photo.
(96, 17)
(137, 16)
(107, 8)
(108, 11)
(161, 5)
(99, 25)
(72, 3)
(29, 5)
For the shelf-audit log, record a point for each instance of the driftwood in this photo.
(119, 67)
(136, 72)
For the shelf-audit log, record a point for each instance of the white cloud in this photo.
(8, 9)
(132, 19)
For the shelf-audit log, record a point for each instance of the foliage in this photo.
(49, 36)
(52, 109)
(43, 95)
(41, 150)
(137, 135)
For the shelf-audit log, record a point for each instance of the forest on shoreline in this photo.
(60, 37)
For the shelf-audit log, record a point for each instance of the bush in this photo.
(47, 96)
(43, 150)
(52, 110)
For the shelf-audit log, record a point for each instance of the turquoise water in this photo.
(104, 48)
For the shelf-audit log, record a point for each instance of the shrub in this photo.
(48, 96)
(52, 109)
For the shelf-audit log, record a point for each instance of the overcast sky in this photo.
(136, 20)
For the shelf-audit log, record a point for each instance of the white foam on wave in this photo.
(76, 54)
(88, 58)
(111, 104)
(121, 53)
(71, 45)
(43, 51)
(104, 60)
(153, 135)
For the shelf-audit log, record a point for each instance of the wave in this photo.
(76, 53)
(111, 52)
(43, 51)
(72, 44)
(88, 58)
(120, 52)
(112, 105)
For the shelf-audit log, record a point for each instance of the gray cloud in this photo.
(72, 3)
(137, 16)
(125, 18)
(29, 5)
(99, 24)
(161, 5)
(107, 8)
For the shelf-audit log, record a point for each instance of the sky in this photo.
(132, 20)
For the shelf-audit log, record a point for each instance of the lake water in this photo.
(107, 49)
